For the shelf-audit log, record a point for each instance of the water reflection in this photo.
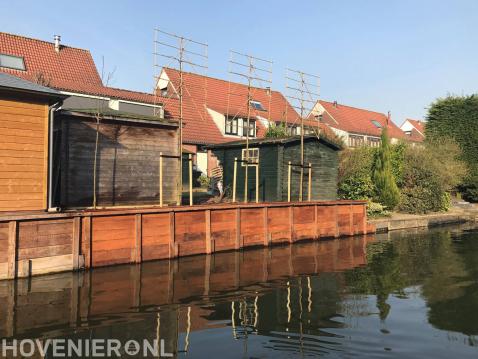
(403, 294)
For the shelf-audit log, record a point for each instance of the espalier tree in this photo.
(386, 189)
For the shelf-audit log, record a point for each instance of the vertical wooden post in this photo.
(87, 242)
(351, 214)
(291, 224)
(266, 226)
(138, 238)
(172, 237)
(257, 182)
(289, 174)
(207, 275)
(190, 157)
(316, 220)
(75, 250)
(12, 249)
(207, 214)
(364, 220)
(234, 181)
(310, 183)
(337, 229)
(160, 179)
(238, 229)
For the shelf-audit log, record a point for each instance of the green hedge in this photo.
(457, 117)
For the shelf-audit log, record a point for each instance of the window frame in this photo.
(256, 105)
(234, 125)
(252, 126)
(373, 141)
(356, 140)
(22, 59)
(256, 157)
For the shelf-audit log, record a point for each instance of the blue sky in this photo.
(396, 55)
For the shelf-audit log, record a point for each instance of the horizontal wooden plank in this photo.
(5, 197)
(7, 160)
(16, 110)
(20, 146)
(51, 264)
(25, 205)
(19, 138)
(23, 103)
(41, 252)
(24, 189)
(22, 126)
(21, 181)
(22, 132)
(24, 118)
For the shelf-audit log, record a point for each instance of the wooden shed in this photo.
(127, 159)
(274, 156)
(24, 143)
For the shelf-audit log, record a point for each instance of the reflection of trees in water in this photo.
(445, 267)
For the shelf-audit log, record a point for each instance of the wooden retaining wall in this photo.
(36, 244)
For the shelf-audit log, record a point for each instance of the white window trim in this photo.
(243, 157)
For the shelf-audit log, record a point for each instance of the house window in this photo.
(257, 105)
(12, 62)
(252, 128)
(377, 124)
(356, 141)
(231, 126)
(253, 156)
(373, 141)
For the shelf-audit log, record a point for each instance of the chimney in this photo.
(57, 39)
(389, 115)
(335, 104)
(268, 91)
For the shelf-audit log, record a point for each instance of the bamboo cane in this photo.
(234, 181)
(190, 179)
(310, 183)
(257, 181)
(160, 179)
(288, 181)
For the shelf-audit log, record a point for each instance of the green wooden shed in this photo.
(274, 156)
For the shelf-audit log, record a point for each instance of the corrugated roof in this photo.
(12, 82)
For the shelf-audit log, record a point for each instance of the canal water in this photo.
(410, 294)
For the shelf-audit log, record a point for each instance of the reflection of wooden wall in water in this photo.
(127, 162)
(57, 304)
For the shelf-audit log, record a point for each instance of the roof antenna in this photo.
(57, 39)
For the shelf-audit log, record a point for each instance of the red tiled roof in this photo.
(419, 125)
(202, 92)
(415, 136)
(71, 69)
(357, 120)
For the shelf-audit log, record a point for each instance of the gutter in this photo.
(51, 118)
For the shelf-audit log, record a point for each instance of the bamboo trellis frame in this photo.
(180, 53)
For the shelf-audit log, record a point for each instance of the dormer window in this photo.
(257, 105)
(252, 128)
(231, 126)
(12, 62)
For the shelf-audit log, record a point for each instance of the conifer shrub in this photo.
(386, 190)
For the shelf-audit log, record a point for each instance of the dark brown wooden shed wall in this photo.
(127, 162)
